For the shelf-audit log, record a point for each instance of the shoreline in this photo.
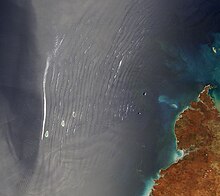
(193, 142)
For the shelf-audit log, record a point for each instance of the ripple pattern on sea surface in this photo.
(89, 90)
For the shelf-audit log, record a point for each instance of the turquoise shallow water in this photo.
(202, 67)
(117, 74)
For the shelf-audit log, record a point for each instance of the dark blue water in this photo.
(191, 60)
(155, 56)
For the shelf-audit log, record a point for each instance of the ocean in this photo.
(91, 90)
(191, 50)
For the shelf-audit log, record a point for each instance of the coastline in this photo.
(150, 183)
(200, 114)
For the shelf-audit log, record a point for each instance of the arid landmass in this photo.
(198, 134)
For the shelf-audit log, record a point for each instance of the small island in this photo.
(197, 131)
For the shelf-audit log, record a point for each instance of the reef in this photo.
(197, 173)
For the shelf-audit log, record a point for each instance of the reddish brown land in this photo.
(198, 134)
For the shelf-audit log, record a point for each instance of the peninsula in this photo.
(197, 131)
